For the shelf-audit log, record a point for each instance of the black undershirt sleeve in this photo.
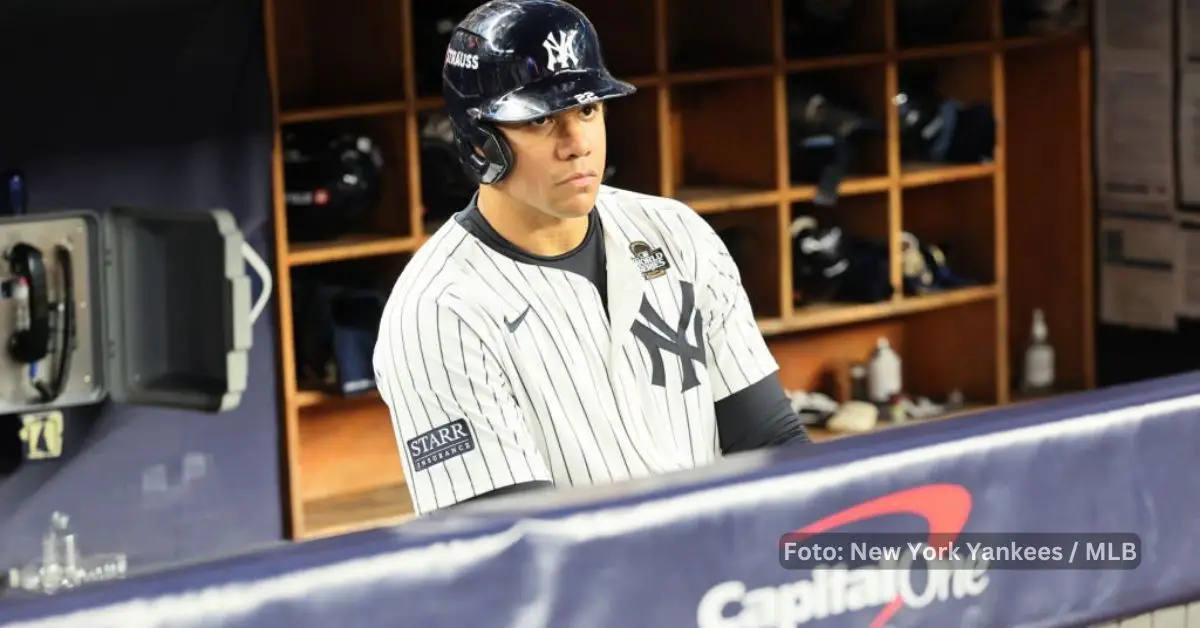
(758, 416)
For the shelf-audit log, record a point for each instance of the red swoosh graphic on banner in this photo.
(945, 507)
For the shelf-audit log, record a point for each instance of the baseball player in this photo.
(558, 331)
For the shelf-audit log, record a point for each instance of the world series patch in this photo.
(651, 262)
(441, 444)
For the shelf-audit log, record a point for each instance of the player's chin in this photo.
(578, 202)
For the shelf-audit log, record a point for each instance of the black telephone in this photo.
(37, 319)
(30, 340)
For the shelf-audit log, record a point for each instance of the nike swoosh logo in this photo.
(513, 325)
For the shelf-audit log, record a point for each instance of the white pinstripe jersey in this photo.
(498, 372)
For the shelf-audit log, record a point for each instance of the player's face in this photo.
(559, 161)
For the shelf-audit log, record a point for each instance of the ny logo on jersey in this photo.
(560, 52)
(673, 339)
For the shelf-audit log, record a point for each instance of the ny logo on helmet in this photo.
(561, 51)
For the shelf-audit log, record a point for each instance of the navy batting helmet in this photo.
(516, 61)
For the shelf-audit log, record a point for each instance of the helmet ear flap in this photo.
(486, 155)
(498, 153)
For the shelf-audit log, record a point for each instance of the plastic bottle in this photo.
(883, 373)
(859, 391)
(1039, 357)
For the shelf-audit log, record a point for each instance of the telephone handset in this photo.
(37, 319)
(30, 339)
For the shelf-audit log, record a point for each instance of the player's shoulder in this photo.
(659, 213)
(436, 278)
(631, 200)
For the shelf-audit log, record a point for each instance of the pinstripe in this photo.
(438, 344)
(435, 484)
(427, 385)
(656, 211)
(662, 394)
(432, 482)
(553, 329)
(715, 442)
(645, 371)
(475, 394)
(631, 404)
(462, 346)
(542, 425)
(648, 424)
(598, 384)
(390, 396)
(544, 319)
(749, 355)
(674, 415)
(548, 421)
(487, 380)
(688, 400)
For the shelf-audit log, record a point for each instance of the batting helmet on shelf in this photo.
(829, 264)
(516, 61)
(819, 261)
(825, 134)
(444, 185)
(937, 129)
(332, 182)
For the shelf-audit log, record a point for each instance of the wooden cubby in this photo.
(753, 242)
(863, 89)
(709, 126)
(960, 218)
(712, 120)
(694, 50)
(811, 359)
(633, 147)
(808, 36)
(1049, 112)
(929, 25)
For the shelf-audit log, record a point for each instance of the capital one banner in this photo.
(1059, 513)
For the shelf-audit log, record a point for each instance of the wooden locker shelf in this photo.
(915, 175)
(712, 131)
(351, 247)
(363, 110)
(820, 435)
(822, 316)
